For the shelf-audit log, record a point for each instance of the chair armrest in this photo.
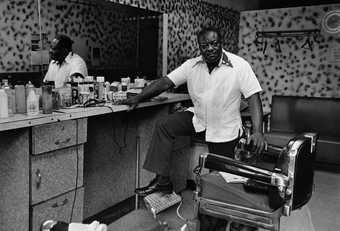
(225, 164)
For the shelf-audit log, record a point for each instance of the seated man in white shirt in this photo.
(216, 80)
(64, 63)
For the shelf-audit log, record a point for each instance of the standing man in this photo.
(216, 80)
(64, 63)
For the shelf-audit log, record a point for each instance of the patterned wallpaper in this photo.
(295, 70)
(18, 19)
(92, 25)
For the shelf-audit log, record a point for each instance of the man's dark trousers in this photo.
(166, 130)
(159, 153)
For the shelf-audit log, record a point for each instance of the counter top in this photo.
(21, 120)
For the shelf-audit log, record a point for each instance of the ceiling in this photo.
(241, 5)
(270, 4)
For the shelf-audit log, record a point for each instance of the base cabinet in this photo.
(14, 180)
(66, 207)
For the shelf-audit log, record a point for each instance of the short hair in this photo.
(64, 41)
(207, 29)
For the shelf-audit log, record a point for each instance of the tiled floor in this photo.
(320, 214)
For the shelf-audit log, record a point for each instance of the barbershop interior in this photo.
(181, 115)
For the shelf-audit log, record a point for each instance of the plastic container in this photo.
(10, 98)
(28, 88)
(20, 99)
(47, 103)
(32, 103)
(124, 86)
(114, 86)
(75, 93)
(101, 87)
(107, 90)
(3, 104)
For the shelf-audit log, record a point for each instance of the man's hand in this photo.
(132, 102)
(258, 141)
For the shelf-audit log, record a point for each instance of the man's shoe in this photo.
(153, 187)
(152, 183)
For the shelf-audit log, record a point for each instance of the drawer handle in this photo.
(56, 205)
(38, 179)
(63, 141)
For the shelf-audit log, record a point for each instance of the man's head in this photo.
(60, 47)
(210, 44)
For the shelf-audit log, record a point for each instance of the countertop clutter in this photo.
(24, 105)
(23, 120)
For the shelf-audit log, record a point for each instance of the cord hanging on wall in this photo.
(262, 37)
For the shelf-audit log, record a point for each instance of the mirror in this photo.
(115, 40)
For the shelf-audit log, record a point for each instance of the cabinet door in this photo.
(67, 207)
(14, 180)
(56, 172)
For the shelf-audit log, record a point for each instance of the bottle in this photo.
(74, 93)
(20, 98)
(47, 102)
(28, 88)
(3, 104)
(10, 98)
(124, 86)
(90, 84)
(32, 103)
(107, 90)
(101, 86)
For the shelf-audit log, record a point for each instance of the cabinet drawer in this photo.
(59, 208)
(54, 136)
(55, 173)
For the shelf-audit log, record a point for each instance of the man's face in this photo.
(57, 53)
(210, 47)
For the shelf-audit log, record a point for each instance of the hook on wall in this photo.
(308, 44)
(261, 42)
(277, 46)
(262, 37)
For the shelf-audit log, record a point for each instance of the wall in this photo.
(239, 5)
(294, 71)
(18, 19)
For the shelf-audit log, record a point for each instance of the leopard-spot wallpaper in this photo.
(92, 24)
(299, 69)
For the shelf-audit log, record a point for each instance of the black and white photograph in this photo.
(169, 115)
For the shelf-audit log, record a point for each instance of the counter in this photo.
(75, 163)
(21, 120)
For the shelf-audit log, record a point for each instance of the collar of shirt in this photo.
(223, 61)
(66, 60)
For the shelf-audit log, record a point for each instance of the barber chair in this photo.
(279, 181)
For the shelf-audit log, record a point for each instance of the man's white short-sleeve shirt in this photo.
(216, 96)
(73, 63)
